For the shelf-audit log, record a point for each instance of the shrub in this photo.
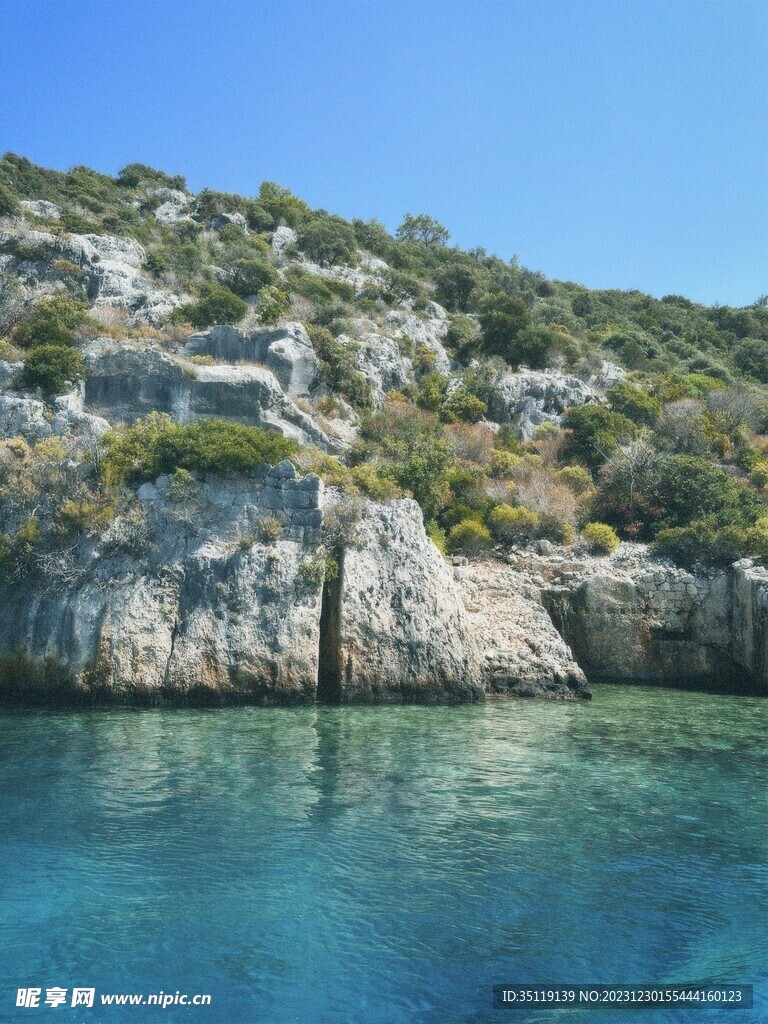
(463, 338)
(155, 445)
(52, 368)
(502, 319)
(17, 551)
(558, 530)
(510, 523)
(216, 305)
(431, 391)
(594, 434)
(9, 206)
(269, 529)
(84, 514)
(677, 492)
(316, 569)
(437, 536)
(271, 305)
(601, 539)
(469, 536)
(51, 322)
(327, 240)
(337, 368)
(463, 405)
(249, 276)
(751, 357)
(281, 204)
(374, 483)
(577, 478)
(634, 403)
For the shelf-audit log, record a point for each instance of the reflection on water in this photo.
(360, 865)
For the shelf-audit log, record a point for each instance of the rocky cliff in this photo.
(634, 618)
(218, 595)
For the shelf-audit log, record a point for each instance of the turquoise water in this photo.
(333, 865)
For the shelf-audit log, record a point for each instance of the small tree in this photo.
(423, 228)
(502, 319)
(470, 536)
(327, 240)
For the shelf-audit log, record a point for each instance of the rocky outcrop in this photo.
(286, 350)
(633, 618)
(32, 419)
(404, 632)
(108, 267)
(522, 652)
(191, 598)
(173, 207)
(532, 397)
(125, 384)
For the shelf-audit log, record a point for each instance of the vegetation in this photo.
(156, 445)
(600, 538)
(677, 456)
(216, 305)
(52, 368)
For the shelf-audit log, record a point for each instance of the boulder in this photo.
(188, 603)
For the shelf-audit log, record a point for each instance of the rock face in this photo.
(184, 599)
(647, 621)
(109, 267)
(286, 350)
(126, 384)
(30, 418)
(532, 397)
(523, 654)
(404, 634)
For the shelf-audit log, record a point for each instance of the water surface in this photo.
(387, 865)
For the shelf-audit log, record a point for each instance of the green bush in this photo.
(9, 206)
(634, 403)
(594, 434)
(216, 305)
(337, 368)
(463, 405)
(601, 539)
(510, 523)
(463, 338)
(577, 478)
(327, 240)
(552, 527)
(502, 320)
(751, 357)
(155, 446)
(271, 305)
(315, 570)
(470, 537)
(52, 321)
(677, 492)
(249, 276)
(52, 368)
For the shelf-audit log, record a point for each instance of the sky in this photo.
(617, 144)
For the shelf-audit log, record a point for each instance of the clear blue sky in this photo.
(618, 144)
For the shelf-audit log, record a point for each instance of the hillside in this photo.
(515, 409)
